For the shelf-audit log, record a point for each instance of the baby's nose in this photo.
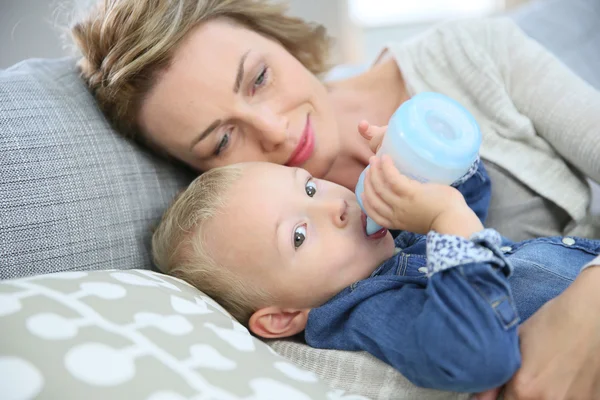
(338, 210)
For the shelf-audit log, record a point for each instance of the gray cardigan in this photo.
(539, 119)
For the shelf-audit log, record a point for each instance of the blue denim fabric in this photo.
(452, 327)
(477, 191)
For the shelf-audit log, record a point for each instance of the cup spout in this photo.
(372, 226)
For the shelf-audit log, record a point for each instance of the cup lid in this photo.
(438, 129)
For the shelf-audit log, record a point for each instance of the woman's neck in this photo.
(372, 96)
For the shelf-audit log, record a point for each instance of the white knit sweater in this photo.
(539, 120)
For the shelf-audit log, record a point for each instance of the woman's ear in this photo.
(275, 322)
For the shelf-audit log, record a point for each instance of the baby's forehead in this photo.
(259, 168)
(259, 183)
(253, 205)
(264, 174)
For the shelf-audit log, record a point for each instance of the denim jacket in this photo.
(476, 188)
(444, 310)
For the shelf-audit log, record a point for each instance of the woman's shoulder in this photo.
(453, 48)
(478, 28)
(466, 32)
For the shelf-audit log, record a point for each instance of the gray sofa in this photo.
(78, 202)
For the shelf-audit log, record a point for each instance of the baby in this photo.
(286, 253)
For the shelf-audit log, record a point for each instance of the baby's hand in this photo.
(398, 202)
(373, 133)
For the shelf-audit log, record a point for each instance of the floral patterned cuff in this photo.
(474, 167)
(448, 251)
(487, 236)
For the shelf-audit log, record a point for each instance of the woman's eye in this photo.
(311, 188)
(299, 236)
(260, 79)
(223, 143)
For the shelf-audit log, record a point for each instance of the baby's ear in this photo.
(276, 322)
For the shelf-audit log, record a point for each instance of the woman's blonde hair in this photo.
(178, 244)
(126, 43)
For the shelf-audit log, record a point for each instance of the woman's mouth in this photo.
(377, 235)
(305, 147)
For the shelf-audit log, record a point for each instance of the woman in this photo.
(215, 82)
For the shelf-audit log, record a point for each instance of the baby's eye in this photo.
(299, 236)
(311, 188)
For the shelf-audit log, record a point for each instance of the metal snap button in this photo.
(568, 241)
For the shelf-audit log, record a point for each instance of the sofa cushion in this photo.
(358, 372)
(73, 194)
(135, 335)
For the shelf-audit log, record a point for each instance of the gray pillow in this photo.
(73, 194)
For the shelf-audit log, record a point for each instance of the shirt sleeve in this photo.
(564, 108)
(472, 170)
(457, 332)
(448, 251)
(476, 188)
(594, 263)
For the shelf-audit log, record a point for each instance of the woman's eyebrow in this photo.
(240, 73)
(204, 134)
(239, 77)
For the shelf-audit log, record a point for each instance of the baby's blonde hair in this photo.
(178, 245)
(125, 44)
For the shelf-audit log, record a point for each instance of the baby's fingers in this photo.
(363, 129)
(398, 183)
(375, 206)
(389, 188)
(378, 184)
(373, 212)
(373, 133)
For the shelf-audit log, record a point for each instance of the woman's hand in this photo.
(398, 202)
(373, 133)
(560, 345)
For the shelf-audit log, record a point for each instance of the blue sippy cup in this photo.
(430, 138)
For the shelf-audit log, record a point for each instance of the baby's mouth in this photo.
(377, 235)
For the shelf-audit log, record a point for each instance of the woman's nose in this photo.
(272, 130)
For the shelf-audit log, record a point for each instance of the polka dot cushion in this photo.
(135, 334)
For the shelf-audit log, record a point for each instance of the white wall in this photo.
(26, 29)
(27, 26)
(333, 14)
